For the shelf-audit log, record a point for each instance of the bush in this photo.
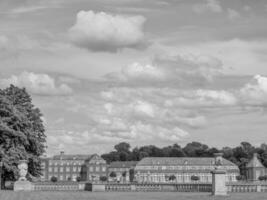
(124, 174)
(113, 175)
(194, 178)
(172, 178)
(78, 179)
(131, 174)
(103, 178)
(53, 179)
(263, 178)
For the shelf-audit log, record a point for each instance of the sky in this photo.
(141, 71)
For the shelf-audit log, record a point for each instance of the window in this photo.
(50, 169)
(74, 169)
(61, 169)
(61, 177)
(97, 169)
(55, 169)
(103, 169)
(67, 169)
(91, 169)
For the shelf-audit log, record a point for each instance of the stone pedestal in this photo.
(23, 186)
(98, 188)
(219, 183)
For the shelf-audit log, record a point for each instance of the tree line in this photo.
(239, 155)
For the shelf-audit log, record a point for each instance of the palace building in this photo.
(122, 170)
(72, 167)
(181, 170)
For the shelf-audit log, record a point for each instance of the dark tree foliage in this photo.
(53, 179)
(172, 178)
(194, 178)
(103, 178)
(239, 155)
(21, 132)
(113, 175)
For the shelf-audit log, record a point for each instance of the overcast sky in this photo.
(141, 71)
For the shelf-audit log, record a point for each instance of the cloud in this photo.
(40, 84)
(3, 42)
(233, 14)
(179, 71)
(26, 9)
(106, 32)
(209, 5)
(255, 92)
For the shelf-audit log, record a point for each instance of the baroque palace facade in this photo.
(149, 170)
(73, 167)
(181, 170)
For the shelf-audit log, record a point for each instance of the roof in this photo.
(254, 162)
(123, 164)
(72, 157)
(181, 161)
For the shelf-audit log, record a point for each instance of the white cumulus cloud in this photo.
(208, 5)
(106, 32)
(255, 92)
(40, 84)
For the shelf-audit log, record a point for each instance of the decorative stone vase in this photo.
(23, 184)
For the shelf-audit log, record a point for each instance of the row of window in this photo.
(61, 169)
(97, 169)
(182, 167)
(53, 162)
(64, 178)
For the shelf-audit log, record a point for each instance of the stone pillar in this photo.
(127, 177)
(23, 184)
(218, 177)
(219, 183)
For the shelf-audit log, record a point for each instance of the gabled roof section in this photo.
(205, 161)
(254, 162)
(123, 164)
(95, 159)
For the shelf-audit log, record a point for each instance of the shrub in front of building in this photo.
(53, 179)
(172, 178)
(194, 178)
(113, 175)
(263, 178)
(103, 178)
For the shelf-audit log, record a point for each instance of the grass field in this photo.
(10, 195)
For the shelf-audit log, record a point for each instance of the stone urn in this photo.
(22, 184)
(23, 170)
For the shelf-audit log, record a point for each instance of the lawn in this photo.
(10, 195)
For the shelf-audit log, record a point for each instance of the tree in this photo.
(124, 174)
(194, 178)
(53, 179)
(196, 149)
(263, 178)
(122, 147)
(103, 178)
(131, 174)
(21, 132)
(113, 175)
(172, 178)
